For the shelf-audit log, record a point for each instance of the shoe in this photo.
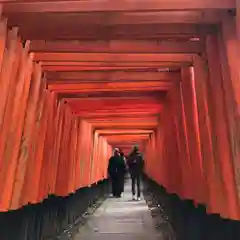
(133, 198)
(139, 199)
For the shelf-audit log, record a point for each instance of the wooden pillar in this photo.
(188, 183)
(44, 180)
(35, 165)
(26, 139)
(78, 157)
(183, 141)
(191, 133)
(238, 18)
(211, 174)
(168, 154)
(176, 167)
(73, 156)
(104, 167)
(229, 59)
(85, 145)
(3, 39)
(95, 156)
(31, 161)
(14, 118)
(99, 159)
(8, 57)
(63, 156)
(222, 151)
(157, 143)
(81, 160)
(58, 133)
(163, 144)
(89, 154)
(8, 73)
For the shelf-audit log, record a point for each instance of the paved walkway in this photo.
(119, 219)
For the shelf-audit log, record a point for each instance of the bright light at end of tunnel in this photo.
(163, 69)
(194, 39)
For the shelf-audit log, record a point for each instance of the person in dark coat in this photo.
(122, 179)
(116, 171)
(135, 165)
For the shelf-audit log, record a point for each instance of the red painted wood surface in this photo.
(134, 74)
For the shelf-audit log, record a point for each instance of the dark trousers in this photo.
(117, 185)
(136, 180)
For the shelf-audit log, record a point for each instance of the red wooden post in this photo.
(24, 149)
(208, 171)
(229, 54)
(44, 181)
(8, 72)
(95, 156)
(189, 184)
(192, 134)
(31, 161)
(175, 151)
(78, 156)
(3, 36)
(220, 127)
(182, 142)
(36, 163)
(72, 156)
(20, 82)
(63, 157)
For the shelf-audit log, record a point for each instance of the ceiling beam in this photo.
(116, 104)
(122, 131)
(118, 76)
(109, 66)
(120, 94)
(113, 6)
(128, 141)
(123, 116)
(130, 125)
(123, 119)
(106, 87)
(118, 32)
(144, 110)
(117, 46)
(112, 64)
(139, 113)
(126, 137)
(210, 16)
(133, 112)
(113, 57)
(69, 68)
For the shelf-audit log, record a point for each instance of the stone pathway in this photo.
(119, 219)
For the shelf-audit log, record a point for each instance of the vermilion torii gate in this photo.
(78, 77)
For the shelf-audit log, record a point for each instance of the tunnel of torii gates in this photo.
(79, 78)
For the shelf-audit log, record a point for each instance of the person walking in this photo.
(136, 165)
(123, 176)
(116, 171)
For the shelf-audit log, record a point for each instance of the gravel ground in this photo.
(173, 218)
(181, 220)
(161, 220)
(72, 230)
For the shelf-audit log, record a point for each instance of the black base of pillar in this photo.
(190, 222)
(49, 219)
